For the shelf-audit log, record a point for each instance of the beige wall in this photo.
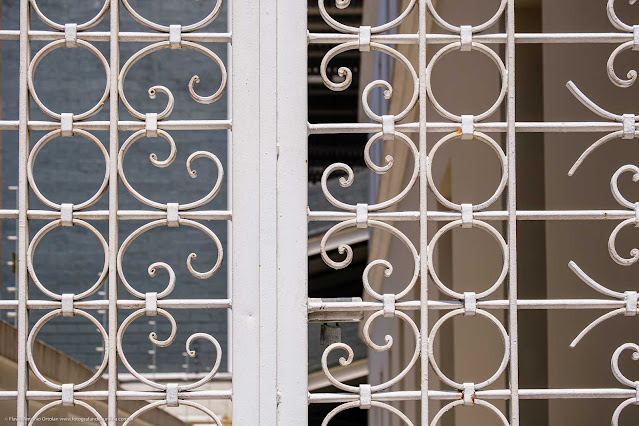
(588, 365)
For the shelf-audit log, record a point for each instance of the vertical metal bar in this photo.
(229, 185)
(512, 216)
(423, 210)
(246, 205)
(23, 225)
(268, 211)
(113, 213)
(292, 202)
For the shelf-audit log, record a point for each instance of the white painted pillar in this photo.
(292, 202)
(245, 269)
(269, 242)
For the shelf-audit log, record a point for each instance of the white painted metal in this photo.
(22, 411)
(511, 144)
(292, 205)
(114, 146)
(461, 38)
(269, 299)
(246, 269)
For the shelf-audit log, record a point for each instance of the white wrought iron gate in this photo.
(269, 213)
(268, 107)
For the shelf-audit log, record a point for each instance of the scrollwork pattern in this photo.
(198, 407)
(343, 407)
(482, 49)
(369, 40)
(189, 261)
(74, 124)
(81, 27)
(475, 29)
(629, 310)
(621, 134)
(167, 162)
(96, 415)
(217, 7)
(347, 181)
(343, 4)
(616, 371)
(152, 270)
(629, 45)
(44, 141)
(153, 337)
(476, 224)
(634, 253)
(503, 420)
(347, 76)
(33, 66)
(379, 348)
(345, 248)
(34, 333)
(41, 234)
(482, 138)
(194, 80)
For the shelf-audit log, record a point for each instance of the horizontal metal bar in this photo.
(126, 126)
(437, 216)
(326, 38)
(440, 305)
(497, 127)
(503, 394)
(314, 398)
(316, 306)
(329, 216)
(327, 315)
(122, 395)
(198, 37)
(332, 128)
(338, 216)
(172, 377)
(522, 38)
(122, 214)
(124, 304)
